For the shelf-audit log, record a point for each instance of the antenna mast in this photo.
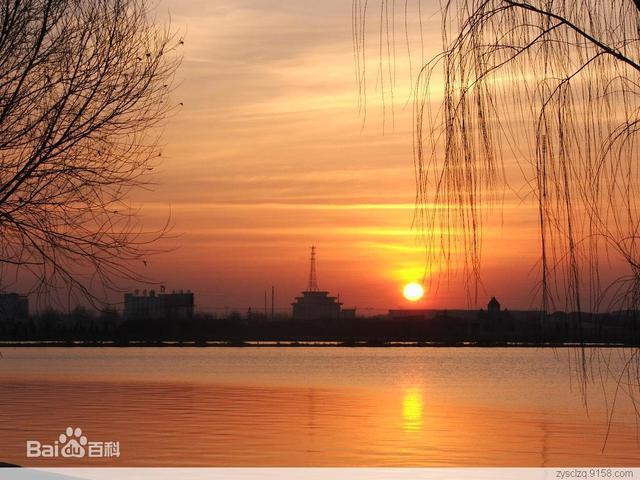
(313, 282)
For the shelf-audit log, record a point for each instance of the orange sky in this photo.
(270, 155)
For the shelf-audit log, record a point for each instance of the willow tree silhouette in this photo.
(81, 84)
(554, 87)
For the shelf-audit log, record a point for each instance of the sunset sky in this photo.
(269, 155)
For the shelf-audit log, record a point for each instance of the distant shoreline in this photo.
(304, 344)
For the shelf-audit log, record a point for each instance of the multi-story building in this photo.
(316, 304)
(152, 306)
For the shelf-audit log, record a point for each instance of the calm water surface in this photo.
(318, 406)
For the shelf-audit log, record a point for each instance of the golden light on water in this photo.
(413, 291)
(412, 409)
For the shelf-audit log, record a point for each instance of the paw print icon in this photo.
(72, 443)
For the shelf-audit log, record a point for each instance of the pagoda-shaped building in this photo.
(315, 304)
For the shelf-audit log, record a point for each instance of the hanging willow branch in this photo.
(544, 93)
(545, 88)
(552, 86)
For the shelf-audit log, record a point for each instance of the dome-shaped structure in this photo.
(493, 305)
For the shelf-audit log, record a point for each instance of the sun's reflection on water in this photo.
(412, 409)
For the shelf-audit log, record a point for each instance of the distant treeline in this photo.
(83, 325)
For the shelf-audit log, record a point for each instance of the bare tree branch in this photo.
(82, 84)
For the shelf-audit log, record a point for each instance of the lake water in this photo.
(321, 406)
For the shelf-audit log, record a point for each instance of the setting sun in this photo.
(413, 291)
